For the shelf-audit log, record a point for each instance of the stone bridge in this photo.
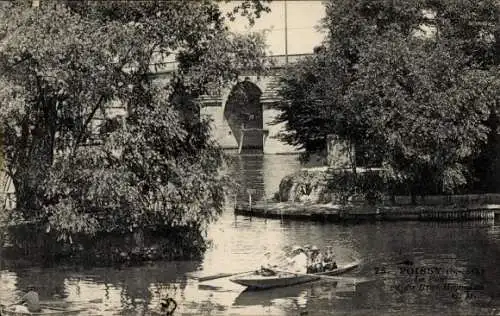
(242, 114)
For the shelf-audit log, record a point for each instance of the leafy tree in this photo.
(64, 64)
(411, 82)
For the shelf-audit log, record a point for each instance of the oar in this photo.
(63, 302)
(221, 275)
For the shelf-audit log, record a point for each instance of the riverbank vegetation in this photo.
(412, 85)
(90, 141)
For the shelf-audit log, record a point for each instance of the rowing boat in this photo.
(254, 281)
(48, 311)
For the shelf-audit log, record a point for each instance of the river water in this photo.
(408, 268)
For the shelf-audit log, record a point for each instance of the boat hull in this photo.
(262, 283)
(258, 282)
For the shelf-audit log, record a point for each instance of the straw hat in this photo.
(314, 249)
(297, 249)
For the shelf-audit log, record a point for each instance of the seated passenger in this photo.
(298, 263)
(329, 259)
(316, 261)
(267, 269)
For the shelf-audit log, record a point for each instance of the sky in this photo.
(302, 16)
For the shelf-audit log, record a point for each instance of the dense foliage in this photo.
(411, 83)
(80, 165)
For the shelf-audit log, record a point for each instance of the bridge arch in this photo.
(243, 112)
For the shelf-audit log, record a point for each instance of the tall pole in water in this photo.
(286, 34)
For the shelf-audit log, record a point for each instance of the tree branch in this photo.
(87, 122)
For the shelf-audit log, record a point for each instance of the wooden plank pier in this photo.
(355, 213)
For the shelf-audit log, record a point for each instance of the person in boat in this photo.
(316, 263)
(298, 263)
(329, 259)
(307, 251)
(32, 302)
(267, 268)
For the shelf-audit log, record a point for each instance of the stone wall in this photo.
(221, 131)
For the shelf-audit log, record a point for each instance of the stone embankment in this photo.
(350, 213)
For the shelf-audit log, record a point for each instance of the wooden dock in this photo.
(356, 213)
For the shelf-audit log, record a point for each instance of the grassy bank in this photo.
(29, 244)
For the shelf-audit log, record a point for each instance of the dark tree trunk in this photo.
(34, 161)
(30, 179)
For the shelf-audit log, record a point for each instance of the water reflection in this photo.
(261, 174)
(297, 294)
(467, 253)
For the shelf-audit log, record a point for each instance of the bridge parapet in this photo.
(275, 62)
(268, 82)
